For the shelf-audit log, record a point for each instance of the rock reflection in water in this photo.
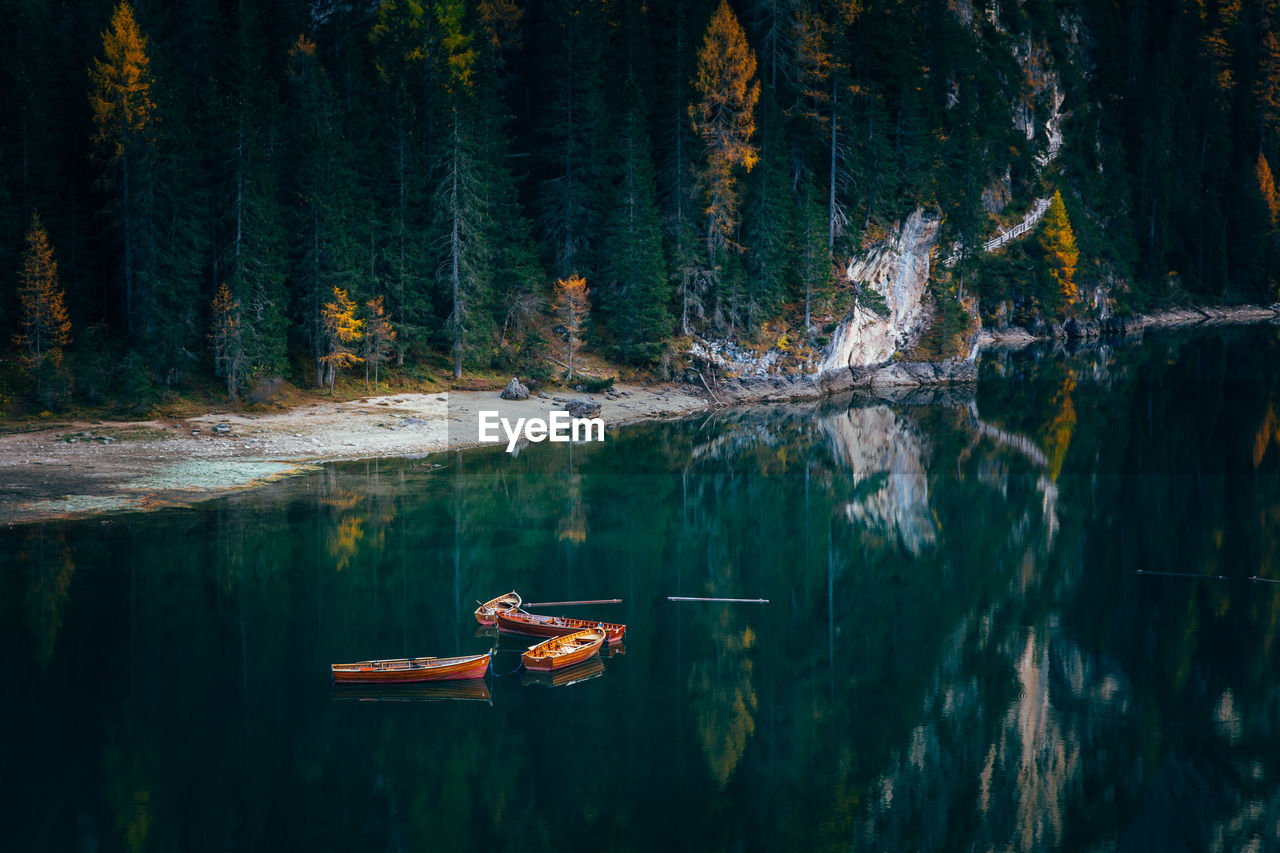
(884, 452)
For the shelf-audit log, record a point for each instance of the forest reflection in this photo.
(957, 652)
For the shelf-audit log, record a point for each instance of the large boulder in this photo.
(580, 408)
(514, 390)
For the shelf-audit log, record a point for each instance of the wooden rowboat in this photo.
(563, 652)
(486, 612)
(404, 670)
(537, 625)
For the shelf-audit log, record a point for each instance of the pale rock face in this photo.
(997, 195)
(898, 270)
(863, 339)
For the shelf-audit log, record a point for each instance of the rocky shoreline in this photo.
(895, 376)
(1128, 326)
(76, 469)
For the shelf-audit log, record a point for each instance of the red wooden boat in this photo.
(487, 612)
(566, 651)
(537, 625)
(403, 670)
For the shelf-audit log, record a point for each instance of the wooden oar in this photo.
(1181, 575)
(568, 603)
(735, 600)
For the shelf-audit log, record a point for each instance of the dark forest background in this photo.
(456, 158)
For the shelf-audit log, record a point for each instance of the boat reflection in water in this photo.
(472, 689)
(585, 671)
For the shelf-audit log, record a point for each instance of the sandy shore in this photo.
(81, 468)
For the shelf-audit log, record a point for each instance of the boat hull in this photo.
(537, 659)
(536, 625)
(410, 670)
(486, 614)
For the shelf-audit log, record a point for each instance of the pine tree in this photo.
(379, 336)
(769, 223)
(45, 325)
(252, 259)
(404, 38)
(1268, 90)
(341, 328)
(676, 144)
(156, 201)
(226, 335)
(324, 219)
(571, 307)
(635, 294)
(464, 197)
(1058, 242)
(814, 256)
(724, 117)
(571, 200)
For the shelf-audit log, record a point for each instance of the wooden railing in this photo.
(1028, 222)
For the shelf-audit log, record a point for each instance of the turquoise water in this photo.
(958, 652)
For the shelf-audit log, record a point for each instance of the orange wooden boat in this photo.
(566, 651)
(487, 612)
(404, 670)
(537, 625)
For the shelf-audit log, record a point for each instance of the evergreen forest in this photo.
(236, 194)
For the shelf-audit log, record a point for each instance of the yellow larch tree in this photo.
(1267, 187)
(341, 329)
(123, 114)
(45, 325)
(1060, 250)
(571, 306)
(724, 117)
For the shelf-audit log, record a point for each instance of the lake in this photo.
(967, 645)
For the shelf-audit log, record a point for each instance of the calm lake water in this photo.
(958, 652)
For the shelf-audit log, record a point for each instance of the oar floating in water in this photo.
(568, 603)
(732, 600)
(1182, 575)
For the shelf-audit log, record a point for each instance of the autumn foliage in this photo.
(1267, 187)
(571, 306)
(1060, 251)
(724, 116)
(341, 329)
(45, 326)
(120, 96)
